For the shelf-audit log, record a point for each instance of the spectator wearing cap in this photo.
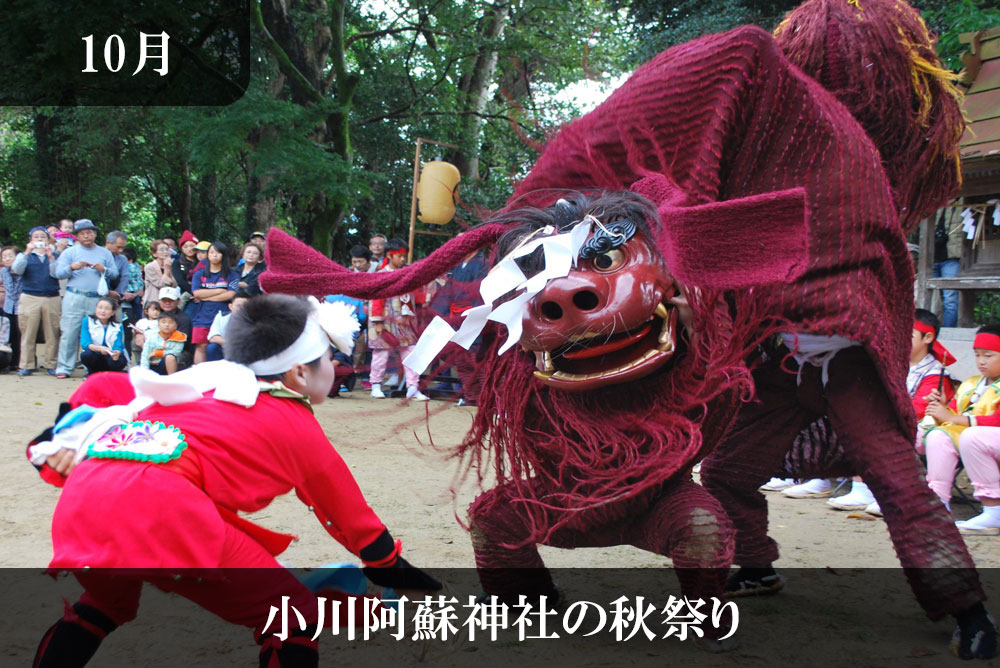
(40, 303)
(83, 264)
(200, 253)
(170, 298)
(260, 239)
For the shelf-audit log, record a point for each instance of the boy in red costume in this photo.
(183, 455)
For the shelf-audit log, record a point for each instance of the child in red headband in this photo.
(970, 425)
(392, 325)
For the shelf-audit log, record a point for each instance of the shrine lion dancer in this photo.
(757, 270)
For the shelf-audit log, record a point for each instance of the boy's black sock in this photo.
(73, 640)
(297, 651)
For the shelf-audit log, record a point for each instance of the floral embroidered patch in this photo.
(140, 441)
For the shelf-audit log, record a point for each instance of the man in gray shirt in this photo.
(115, 242)
(83, 264)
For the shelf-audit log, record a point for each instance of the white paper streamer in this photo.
(430, 344)
(561, 253)
(969, 224)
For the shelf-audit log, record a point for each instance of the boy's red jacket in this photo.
(237, 461)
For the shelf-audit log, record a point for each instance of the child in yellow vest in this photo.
(970, 421)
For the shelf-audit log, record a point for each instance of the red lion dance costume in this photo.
(774, 200)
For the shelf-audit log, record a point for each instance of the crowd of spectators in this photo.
(97, 307)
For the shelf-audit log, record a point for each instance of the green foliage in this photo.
(954, 17)
(987, 308)
(661, 25)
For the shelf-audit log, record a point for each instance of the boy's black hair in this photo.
(989, 328)
(266, 325)
(396, 245)
(130, 254)
(168, 316)
(929, 319)
(361, 251)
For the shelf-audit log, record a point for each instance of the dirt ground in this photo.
(408, 484)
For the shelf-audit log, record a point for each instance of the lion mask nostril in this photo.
(585, 300)
(551, 310)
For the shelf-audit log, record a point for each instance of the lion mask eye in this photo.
(609, 260)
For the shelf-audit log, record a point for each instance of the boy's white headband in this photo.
(328, 323)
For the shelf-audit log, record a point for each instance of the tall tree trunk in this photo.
(185, 202)
(475, 84)
(303, 64)
(57, 176)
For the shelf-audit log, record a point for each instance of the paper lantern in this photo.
(436, 192)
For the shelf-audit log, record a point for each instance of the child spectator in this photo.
(169, 303)
(171, 499)
(145, 326)
(393, 326)
(102, 341)
(970, 417)
(214, 287)
(217, 332)
(163, 348)
(345, 365)
(980, 443)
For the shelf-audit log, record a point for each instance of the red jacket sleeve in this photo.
(927, 385)
(327, 486)
(988, 420)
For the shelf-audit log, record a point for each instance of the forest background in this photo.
(322, 143)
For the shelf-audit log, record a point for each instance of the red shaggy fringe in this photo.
(594, 451)
(878, 58)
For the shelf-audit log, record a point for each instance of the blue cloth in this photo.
(38, 274)
(203, 280)
(121, 262)
(12, 284)
(949, 298)
(135, 280)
